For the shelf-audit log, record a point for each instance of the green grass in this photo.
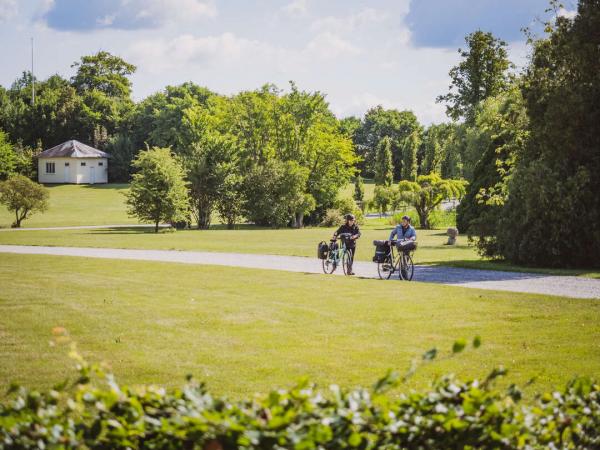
(267, 241)
(348, 191)
(245, 330)
(73, 205)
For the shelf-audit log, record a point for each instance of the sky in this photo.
(394, 53)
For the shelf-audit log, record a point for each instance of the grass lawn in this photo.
(72, 205)
(246, 330)
(268, 241)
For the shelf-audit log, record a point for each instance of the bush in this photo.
(100, 414)
(333, 218)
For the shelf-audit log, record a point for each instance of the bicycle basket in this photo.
(322, 250)
(382, 251)
(407, 246)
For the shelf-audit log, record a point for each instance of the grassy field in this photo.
(104, 205)
(72, 205)
(246, 330)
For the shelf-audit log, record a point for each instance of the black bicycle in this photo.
(398, 260)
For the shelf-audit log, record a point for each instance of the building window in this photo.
(66, 164)
(82, 164)
(100, 163)
(50, 168)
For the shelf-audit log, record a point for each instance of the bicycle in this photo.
(397, 261)
(338, 254)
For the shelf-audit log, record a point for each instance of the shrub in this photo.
(23, 197)
(99, 413)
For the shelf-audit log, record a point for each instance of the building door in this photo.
(92, 175)
(67, 173)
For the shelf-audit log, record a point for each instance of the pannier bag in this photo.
(322, 250)
(382, 250)
(407, 246)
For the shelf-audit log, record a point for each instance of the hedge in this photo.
(97, 413)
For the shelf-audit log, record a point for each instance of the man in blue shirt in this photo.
(404, 231)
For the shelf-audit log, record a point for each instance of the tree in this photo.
(382, 198)
(24, 197)
(158, 191)
(231, 200)
(275, 193)
(501, 127)
(384, 168)
(552, 213)
(8, 159)
(377, 124)
(409, 156)
(208, 165)
(482, 73)
(359, 189)
(428, 192)
(105, 73)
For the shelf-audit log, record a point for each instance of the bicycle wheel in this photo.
(346, 262)
(385, 269)
(407, 268)
(329, 264)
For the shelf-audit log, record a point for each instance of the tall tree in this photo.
(410, 148)
(482, 73)
(501, 125)
(384, 167)
(359, 189)
(377, 124)
(552, 215)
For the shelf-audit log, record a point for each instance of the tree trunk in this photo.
(230, 225)
(17, 223)
(424, 218)
(156, 226)
(299, 222)
(204, 218)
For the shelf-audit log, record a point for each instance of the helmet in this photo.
(350, 217)
(407, 218)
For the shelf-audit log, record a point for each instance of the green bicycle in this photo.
(400, 261)
(338, 254)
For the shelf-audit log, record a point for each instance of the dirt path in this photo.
(566, 286)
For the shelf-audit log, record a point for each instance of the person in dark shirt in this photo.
(352, 229)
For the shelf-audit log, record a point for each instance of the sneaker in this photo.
(351, 273)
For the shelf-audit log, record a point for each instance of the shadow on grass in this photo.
(503, 266)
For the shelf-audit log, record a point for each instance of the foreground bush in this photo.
(98, 413)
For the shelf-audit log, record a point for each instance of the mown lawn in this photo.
(73, 205)
(245, 330)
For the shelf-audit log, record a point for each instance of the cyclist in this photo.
(404, 231)
(351, 228)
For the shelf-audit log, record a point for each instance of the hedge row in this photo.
(97, 413)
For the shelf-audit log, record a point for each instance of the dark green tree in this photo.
(482, 73)
(8, 158)
(384, 168)
(359, 189)
(552, 215)
(410, 148)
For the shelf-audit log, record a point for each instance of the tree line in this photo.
(522, 147)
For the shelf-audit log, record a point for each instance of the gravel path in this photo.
(566, 286)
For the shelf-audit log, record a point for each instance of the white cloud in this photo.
(349, 23)
(8, 9)
(569, 14)
(173, 10)
(165, 54)
(328, 45)
(296, 8)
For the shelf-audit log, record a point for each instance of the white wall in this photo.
(74, 172)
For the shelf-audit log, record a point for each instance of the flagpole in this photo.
(32, 77)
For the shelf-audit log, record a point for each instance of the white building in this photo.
(73, 162)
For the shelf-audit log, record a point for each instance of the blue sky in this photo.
(360, 53)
